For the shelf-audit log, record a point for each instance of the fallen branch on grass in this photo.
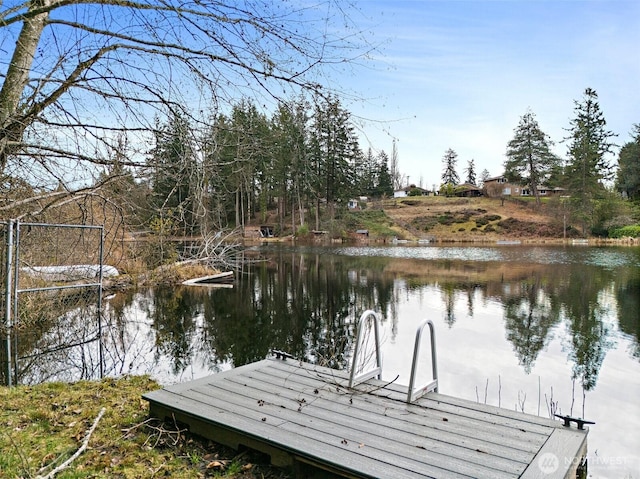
(80, 450)
(158, 432)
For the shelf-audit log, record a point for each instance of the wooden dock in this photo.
(300, 413)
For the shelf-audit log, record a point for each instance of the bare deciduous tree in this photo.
(76, 74)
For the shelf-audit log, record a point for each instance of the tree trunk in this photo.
(293, 215)
(280, 214)
(11, 128)
(300, 207)
(238, 195)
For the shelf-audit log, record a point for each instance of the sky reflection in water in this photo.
(514, 325)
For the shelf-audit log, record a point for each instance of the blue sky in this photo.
(460, 74)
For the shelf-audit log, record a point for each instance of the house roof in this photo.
(467, 186)
(494, 178)
(411, 187)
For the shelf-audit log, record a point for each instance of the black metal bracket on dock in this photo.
(281, 354)
(579, 421)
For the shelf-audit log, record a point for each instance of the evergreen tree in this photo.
(450, 177)
(219, 154)
(470, 171)
(239, 166)
(335, 150)
(529, 156)
(253, 160)
(366, 174)
(291, 174)
(384, 182)
(628, 175)
(557, 176)
(173, 165)
(588, 166)
(120, 186)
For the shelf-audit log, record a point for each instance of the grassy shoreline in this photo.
(445, 220)
(42, 426)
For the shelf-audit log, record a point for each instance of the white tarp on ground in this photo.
(70, 273)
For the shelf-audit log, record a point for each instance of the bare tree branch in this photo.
(135, 59)
(81, 449)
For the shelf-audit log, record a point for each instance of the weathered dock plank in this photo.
(300, 412)
(405, 424)
(357, 411)
(432, 402)
(409, 447)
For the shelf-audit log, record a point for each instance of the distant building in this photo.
(410, 190)
(400, 193)
(262, 231)
(500, 186)
(467, 190)
(544, 191)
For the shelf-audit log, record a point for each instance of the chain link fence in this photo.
(51, 306)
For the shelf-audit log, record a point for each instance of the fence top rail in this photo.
(53, 225)
(59, 288)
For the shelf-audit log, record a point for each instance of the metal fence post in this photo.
(100, 279)
(16, 281)
(7, 299)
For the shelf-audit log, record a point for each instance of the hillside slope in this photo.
(473, 219)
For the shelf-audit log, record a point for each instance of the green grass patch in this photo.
(446, 219)
(42, 426)
(486, 219)
(630, 231)
(375, 221)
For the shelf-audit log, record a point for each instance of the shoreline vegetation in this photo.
(410, 221)
(446, 220)
(626, 241)
(101, 429)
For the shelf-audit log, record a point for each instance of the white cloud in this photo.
(460, 74)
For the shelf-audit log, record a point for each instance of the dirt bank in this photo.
(477, 220)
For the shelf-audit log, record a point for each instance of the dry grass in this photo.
(448, 271)
(466, 219)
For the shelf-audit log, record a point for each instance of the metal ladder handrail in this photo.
(412, 394)
(377, 371)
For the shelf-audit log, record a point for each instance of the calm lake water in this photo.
(522, 327)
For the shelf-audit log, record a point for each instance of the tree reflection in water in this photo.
(628, 302)
(581, 304)
(586, 301)
(307, 303)
(529, 316)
